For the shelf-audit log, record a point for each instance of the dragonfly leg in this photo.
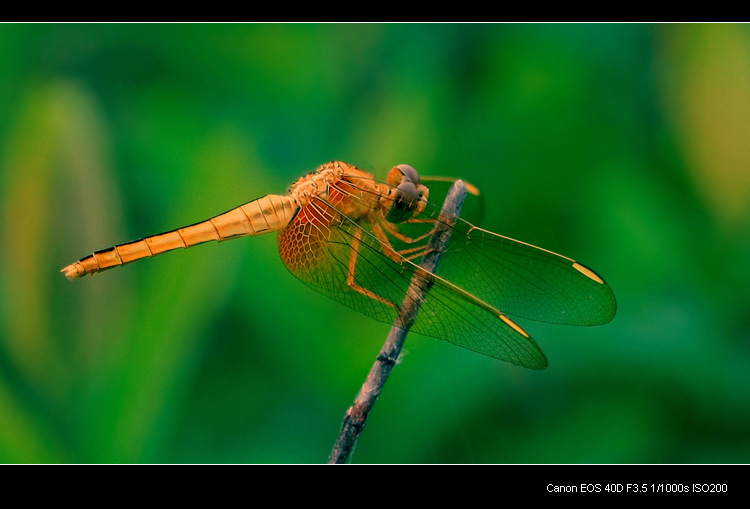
(387, 247)
(423, 220)
(393, 230)
(415, 252)
(418, 251)
(403, 255)
(351, 279)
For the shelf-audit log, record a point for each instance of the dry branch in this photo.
(356, 417)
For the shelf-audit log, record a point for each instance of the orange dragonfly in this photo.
(360, 242)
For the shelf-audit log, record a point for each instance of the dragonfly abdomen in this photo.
(267, 214)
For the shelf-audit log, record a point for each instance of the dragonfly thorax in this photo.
(315, 184)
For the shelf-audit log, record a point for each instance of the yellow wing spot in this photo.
(587, 272)
(515, 326)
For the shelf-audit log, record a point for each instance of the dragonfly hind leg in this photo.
(351, 280)
(397, 256)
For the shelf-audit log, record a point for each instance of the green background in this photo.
(623, 146)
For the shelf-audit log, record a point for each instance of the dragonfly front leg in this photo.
(351, 278)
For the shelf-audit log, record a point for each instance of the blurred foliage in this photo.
(624, 146)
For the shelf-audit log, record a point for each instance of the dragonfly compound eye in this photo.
(404, 200)
(409, 173)
(403, 173)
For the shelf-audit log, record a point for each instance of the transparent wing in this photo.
(446, 313)
(526, 281)
(520, 279)
(482, 276)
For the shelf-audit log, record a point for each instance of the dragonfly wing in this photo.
(514, 277)
(447, 313)
(320, 256)
(525, 280)
(462, 319)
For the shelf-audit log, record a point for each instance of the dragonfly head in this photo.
(407, 196)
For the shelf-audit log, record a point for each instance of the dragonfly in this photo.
(360, 241)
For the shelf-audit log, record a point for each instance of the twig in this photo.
(356, 417)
